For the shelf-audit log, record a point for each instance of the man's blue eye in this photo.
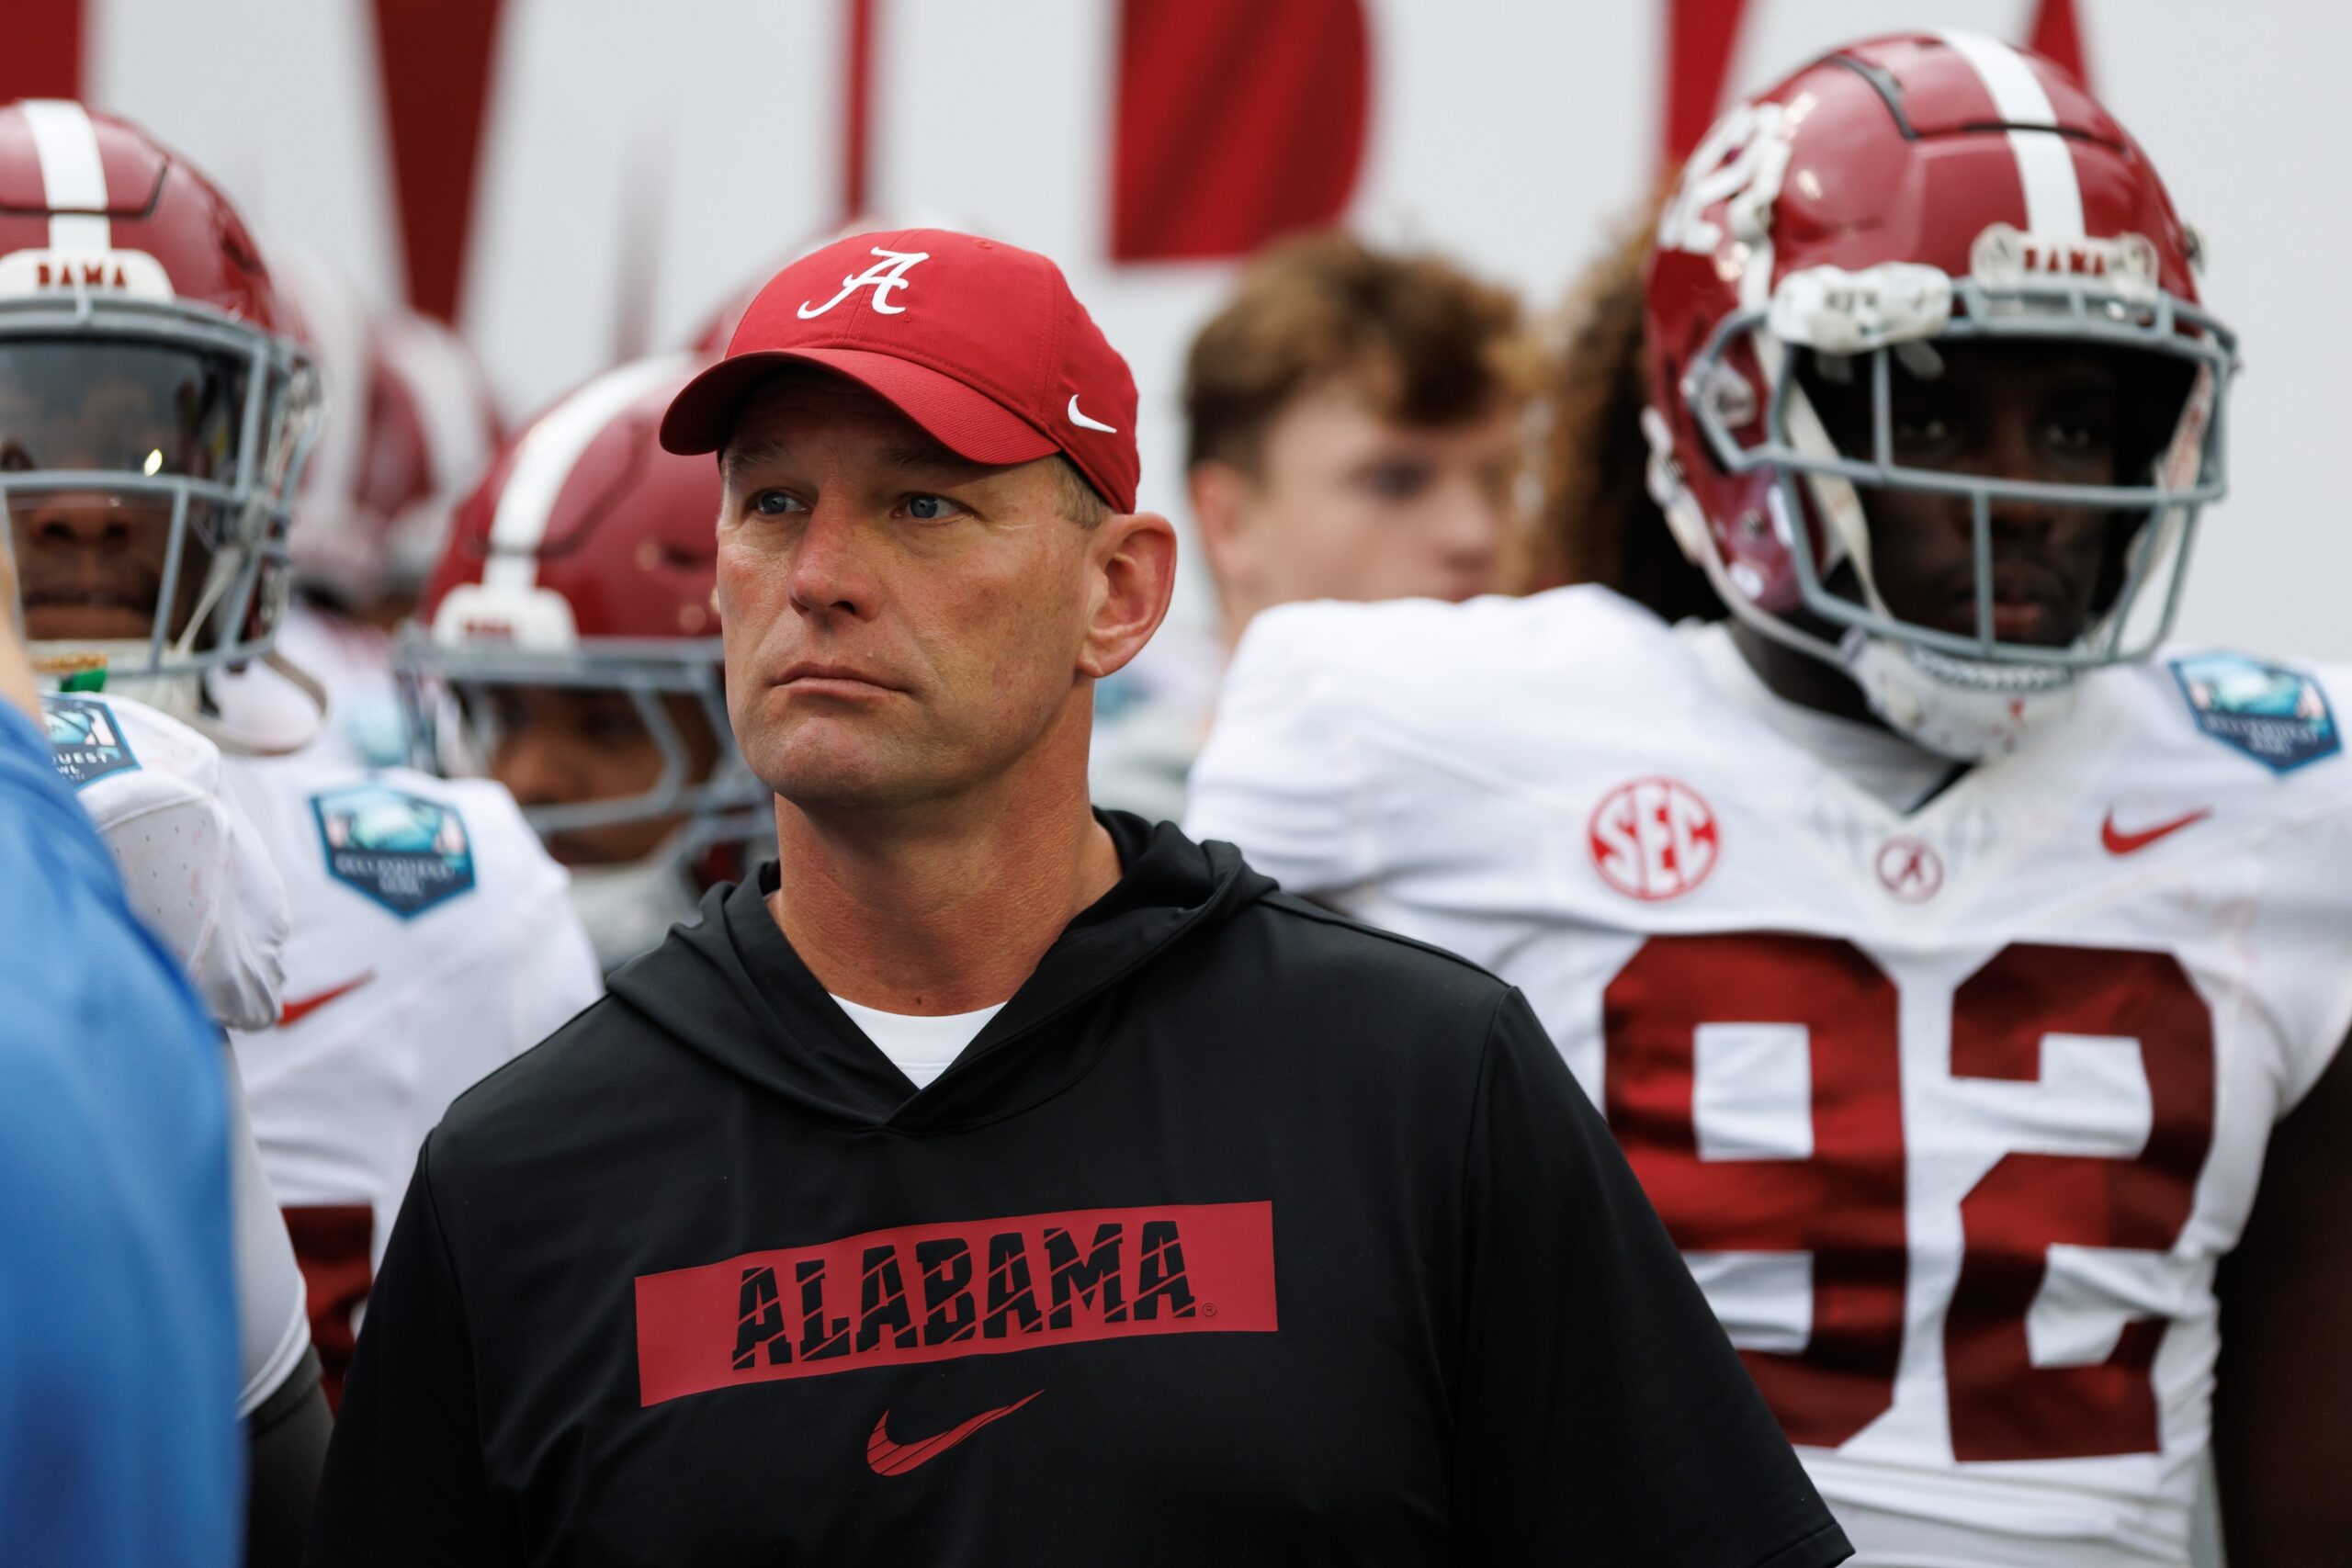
(770, 502)
(929, 508)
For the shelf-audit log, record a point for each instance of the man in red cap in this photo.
(1006, 1181)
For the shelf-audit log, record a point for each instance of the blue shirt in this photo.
(119, 1439)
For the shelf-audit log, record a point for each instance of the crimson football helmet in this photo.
(409, 427)
(1897, 194)
(153, 410)
(585, 560)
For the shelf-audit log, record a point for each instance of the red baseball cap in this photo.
(980, 342)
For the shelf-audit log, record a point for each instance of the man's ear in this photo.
(1134, 557)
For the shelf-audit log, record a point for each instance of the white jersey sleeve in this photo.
(193, 864)
(197, 876)
(1283, 775)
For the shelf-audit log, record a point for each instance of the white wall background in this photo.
(641, 161)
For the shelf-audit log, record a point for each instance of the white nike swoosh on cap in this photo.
(1078, 418)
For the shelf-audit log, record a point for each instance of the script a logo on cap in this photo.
(884, 275)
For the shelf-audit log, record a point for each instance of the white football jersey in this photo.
(1953, 1112)
(196, 874)
(433, 940)
(194, 868)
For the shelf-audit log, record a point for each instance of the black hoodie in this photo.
(1243, 1233)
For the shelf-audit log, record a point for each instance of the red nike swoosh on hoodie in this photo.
(887, 1458)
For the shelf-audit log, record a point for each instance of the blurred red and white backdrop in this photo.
(572, 180)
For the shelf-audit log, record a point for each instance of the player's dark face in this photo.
(2045, 412)
(92, 560)
(570, 745)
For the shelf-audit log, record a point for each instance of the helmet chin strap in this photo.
(239, 742)
(1966, 709)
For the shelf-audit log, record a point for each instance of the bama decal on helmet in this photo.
(2005, 257)
(972, 1288)
(34, 273)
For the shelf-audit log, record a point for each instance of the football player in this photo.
(153, 412)
(571, 619)
(1960, 966)
(1355, 429)
(197, 876)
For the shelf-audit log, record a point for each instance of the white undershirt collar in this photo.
(919, 1046)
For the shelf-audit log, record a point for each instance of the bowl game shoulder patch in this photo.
(2278, 716)
(405, 852)
(87, 741)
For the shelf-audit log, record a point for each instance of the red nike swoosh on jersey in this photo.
(887, 1458)
(294, 1009)
(2119, 843)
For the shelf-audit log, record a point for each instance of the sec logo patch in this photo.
(405, 852)
(1653, 839)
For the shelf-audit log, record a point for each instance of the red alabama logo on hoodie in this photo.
(979, 1288)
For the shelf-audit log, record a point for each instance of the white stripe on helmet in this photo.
(543, 459)
(73, 175)
(2053, 197)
